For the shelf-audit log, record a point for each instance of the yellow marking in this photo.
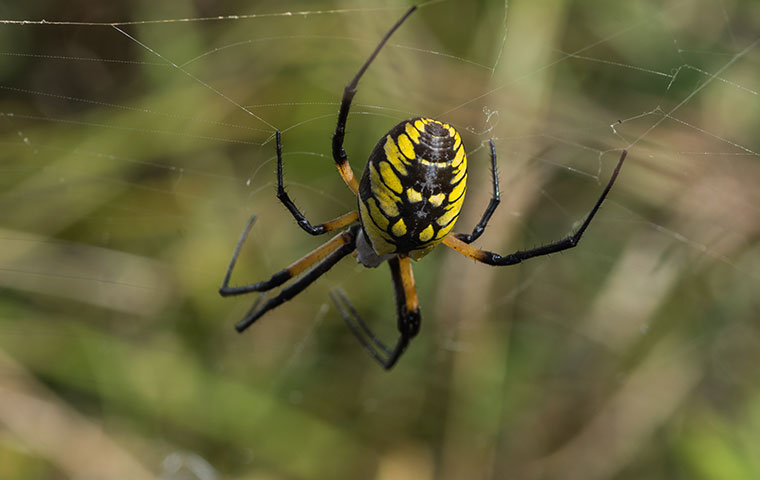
(426, 120)
(461, 172)
(374, 178)
(413, 133)
(426, 234)
(394, 155)
(389, 208)
(389, 177)
(341, 221)
(432, 164)
(452, 132)
(391, 150)
(457, 140)
(384, 196)
(399, 229)
(397, 163)
(437, 199)
(444, 231)
(406, 146)
(413, 195)
(348, 176)
(458, 158)
(407, 281)
(449, 217)
(380, 244)
(451, 212)
(456, 204)
(364, 214)
(457, 191)
(419, 125)
(376, 215)
(464, 248)
(316, 255)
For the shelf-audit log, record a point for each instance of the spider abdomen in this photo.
(412, 188)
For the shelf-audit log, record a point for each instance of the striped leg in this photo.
(299, 285)
(324, 257)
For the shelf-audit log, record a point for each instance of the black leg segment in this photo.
(339, 153)
(283, 196)
(408, 322)
(491, 258)
(495, 199)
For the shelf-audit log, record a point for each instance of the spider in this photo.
(409, 197)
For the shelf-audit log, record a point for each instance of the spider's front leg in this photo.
(454, 242)
(495, 199)
(338, 152)
(283, 196)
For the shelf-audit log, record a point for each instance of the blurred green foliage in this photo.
(132, 155)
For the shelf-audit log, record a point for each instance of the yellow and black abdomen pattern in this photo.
(413, 187)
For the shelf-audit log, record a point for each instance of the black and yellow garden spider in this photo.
(409, 198)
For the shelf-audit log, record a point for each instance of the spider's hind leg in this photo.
(407, 314)
(314, 264)
(299, 285)
(358, 326)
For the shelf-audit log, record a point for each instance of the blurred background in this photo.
(136, 141)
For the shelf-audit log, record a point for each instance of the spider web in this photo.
(137, 141)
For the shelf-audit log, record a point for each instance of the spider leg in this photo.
(407, 313)
(495, 199)
(339, 153)
(294, 269)
(326, 262)
(490, 258)
(283, 196)
(352, 318)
